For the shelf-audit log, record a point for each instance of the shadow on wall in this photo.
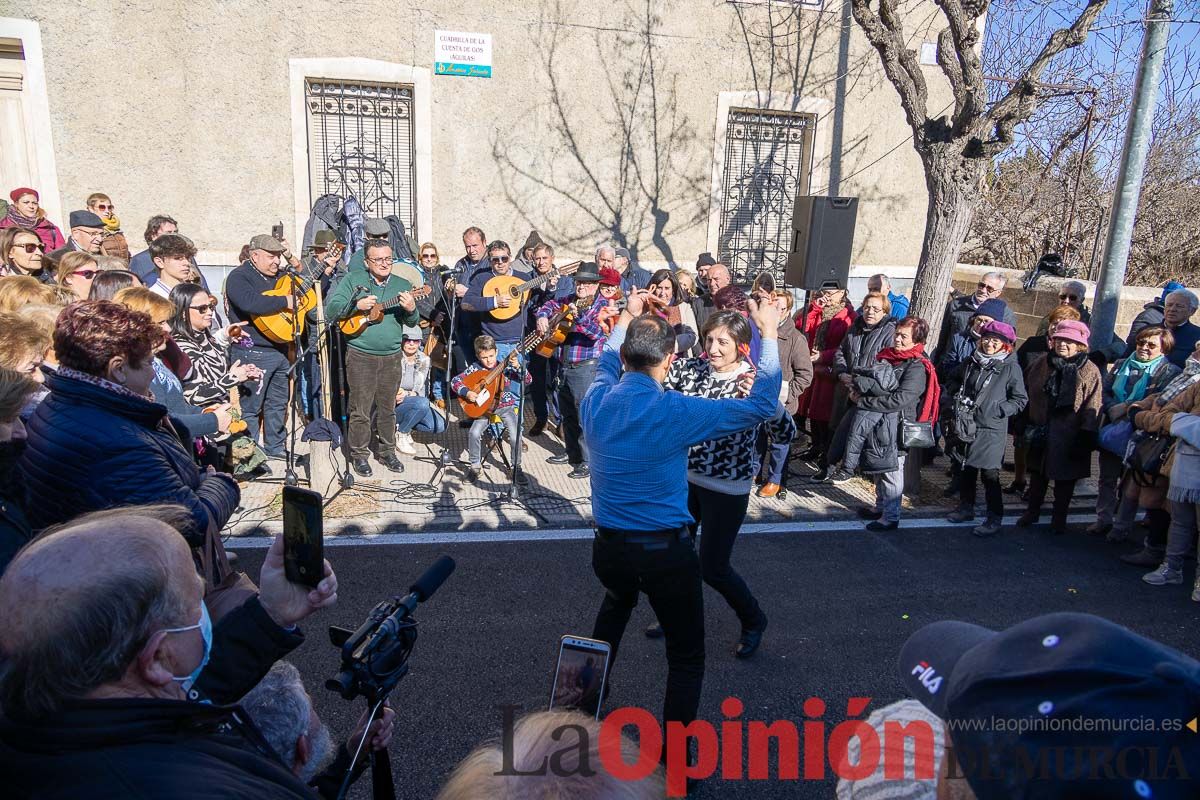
(641, 176)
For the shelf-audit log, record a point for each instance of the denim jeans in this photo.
(270, 397)
(475, 436)
(417, 414)
(889, 491)
(1185, 521)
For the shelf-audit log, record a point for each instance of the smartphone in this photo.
(580, 674)
(303, 535)
(277, 231)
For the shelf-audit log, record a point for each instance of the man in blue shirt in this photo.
(881, 284)
(638, 434)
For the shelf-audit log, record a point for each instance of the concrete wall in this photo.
(186, 109)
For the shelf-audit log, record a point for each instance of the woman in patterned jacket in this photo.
(721, 471)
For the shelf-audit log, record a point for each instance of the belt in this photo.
(584, 363)
(651, 540)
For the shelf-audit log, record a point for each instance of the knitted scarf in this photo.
(19, 219)
(1137, 373)
(927, 411)
(827, 314)
(1190, 375)
(1063, 381)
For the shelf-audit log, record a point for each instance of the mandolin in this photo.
(488, 384)
(518, 290)
(356, 322)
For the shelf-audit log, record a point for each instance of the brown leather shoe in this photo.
(768, 490)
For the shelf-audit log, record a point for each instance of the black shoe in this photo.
(822, 476)
(840, 476)
(361, 466)
(654, 631)
(390, 461)
(751, 639)
(811, 455)
(1016, 487)
(580, 471)
(879, 526)
(561, 458)
(539, 427)
(869, 513)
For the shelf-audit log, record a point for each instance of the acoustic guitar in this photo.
(488, 384)
(281, 326)
(356, 322)
(518, 290)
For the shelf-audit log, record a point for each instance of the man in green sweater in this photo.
(373, 361)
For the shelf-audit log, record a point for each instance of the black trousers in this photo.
(663, 566)
(373, 383)
(719, 518)
(544, 371)
(1063, 492)
(576, 378)
(992, 493)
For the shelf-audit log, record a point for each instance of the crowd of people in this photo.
(129, 381)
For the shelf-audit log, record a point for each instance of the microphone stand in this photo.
(442, 462)
(289, 475)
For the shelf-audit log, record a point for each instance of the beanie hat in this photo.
(1001, 330)
(17, 194)
(1073, 331)
(1168, 287)
(996, 309)
(705, 260)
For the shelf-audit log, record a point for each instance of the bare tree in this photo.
(956, 150)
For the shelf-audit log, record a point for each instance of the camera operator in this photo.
(112, 673)
(283, 712)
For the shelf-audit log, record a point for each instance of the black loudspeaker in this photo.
(822, 238)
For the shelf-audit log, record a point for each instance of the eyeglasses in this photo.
(499, 259)
(86, 274)
(988, 288)
(29, 247)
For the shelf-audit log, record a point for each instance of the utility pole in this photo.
(1129, 178)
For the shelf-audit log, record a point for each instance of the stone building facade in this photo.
(671, 127)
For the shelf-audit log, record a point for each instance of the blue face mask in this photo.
(205, 626)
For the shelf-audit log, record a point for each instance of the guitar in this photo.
(281, 326)
(487, 385)
(513, 287)
(354, 324)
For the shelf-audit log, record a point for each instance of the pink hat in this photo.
(17, 194)
(1000, 330)
(1073, 331)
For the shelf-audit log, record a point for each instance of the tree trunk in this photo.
(954, 191)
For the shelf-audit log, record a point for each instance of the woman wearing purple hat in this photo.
(981, 396)
(1065, 391)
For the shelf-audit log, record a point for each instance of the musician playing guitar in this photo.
(373, 362)
(578, 356)
(544, 369)
(505, 332)
(244, 294)
(504, 406)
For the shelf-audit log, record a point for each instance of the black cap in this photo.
(85, 219)
(1032, 711)
(705, 260)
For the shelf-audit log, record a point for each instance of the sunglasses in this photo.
(988, 289)
(86, 274)
(499, 259)
(29, 247)
(428, 256)
(210, 307)
(103, 207)
(1067, 297)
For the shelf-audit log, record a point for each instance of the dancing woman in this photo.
(721, 471)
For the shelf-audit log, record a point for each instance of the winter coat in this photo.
(1163, 374)
(862, 344)
(878, 380)
(1070, 435)
(14, 527)
(1187, 337)
(1178, 418)
(881, 450)
(817, 402)
(148, 748)
(957, 318)
(954, 353)
(46, 230)
(997, 392)
(796, 363)
(90, 448)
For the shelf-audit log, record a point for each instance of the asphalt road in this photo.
(840, 605)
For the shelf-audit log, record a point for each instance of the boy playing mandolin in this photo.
(505, 406)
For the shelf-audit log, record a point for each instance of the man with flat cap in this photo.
(87, 232)
(1063, 705)
(244, 295)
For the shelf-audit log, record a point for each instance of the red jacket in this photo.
(817, 402)
(46, 230)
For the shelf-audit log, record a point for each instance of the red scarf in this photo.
(928, 410)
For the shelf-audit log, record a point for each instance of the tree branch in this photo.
(959, 60)
(886, 34)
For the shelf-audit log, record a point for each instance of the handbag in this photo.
(915, 435)
(224, 588)
(1115, 437)
(1148, 452)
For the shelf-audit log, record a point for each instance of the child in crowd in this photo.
(505, 408)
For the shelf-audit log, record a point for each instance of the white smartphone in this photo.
(580, 674)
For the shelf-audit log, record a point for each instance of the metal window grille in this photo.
(360, 142)
(768, 158)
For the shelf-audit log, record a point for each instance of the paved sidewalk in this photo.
(420, 500)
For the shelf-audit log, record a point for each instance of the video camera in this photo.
(375, 657)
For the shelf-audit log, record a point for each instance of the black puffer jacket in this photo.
(860, 346)
(882, 448)
(996, 392)
(91, 448)
(14, 528)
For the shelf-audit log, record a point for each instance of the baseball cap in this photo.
(1034, 710)
(265, 241)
